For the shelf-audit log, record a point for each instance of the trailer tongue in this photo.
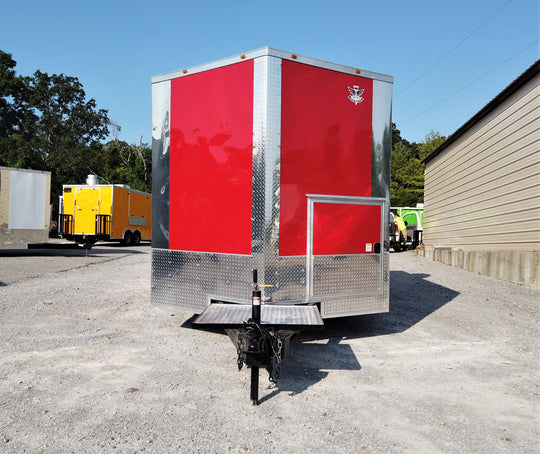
(261, 333)
(279, 316)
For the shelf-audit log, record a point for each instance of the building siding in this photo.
(483, 191)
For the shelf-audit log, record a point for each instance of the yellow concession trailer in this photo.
(90, 213)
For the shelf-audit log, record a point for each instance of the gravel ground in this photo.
(88, 365)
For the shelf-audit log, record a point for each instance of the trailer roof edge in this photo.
(269, 51)
(122, 186)
(19, 169)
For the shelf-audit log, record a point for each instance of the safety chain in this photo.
(277, 346)
(239, 351)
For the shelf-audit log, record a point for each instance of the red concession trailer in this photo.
(274, 162)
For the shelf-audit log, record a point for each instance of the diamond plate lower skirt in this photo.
(343, 285)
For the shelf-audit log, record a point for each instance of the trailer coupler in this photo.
(260, 347)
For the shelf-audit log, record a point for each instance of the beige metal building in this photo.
(482, 188)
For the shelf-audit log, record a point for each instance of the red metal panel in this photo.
(340, 229)
(211, 160)
(325, 144)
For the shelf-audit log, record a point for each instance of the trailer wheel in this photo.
(136, 238)
(128, 238)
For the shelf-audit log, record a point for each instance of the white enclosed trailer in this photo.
(25, 213)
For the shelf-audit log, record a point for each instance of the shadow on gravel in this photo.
(308, 364)
(72, 250)
(412, 298)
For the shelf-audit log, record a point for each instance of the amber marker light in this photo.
(242, 56)
(358, 71)
(293, 56)
(184, 71)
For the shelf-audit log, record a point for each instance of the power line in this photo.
(454, 48)
(470, 83)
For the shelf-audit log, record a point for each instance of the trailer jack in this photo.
(257, 346)
(262, 337)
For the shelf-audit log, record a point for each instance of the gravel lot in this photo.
(88, 365)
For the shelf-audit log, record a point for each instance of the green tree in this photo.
(396, 137)
(121, 163)
(65, 127)
(406, 185)
(13, 96)
(433, 140)
(407, 181)
(46, 123)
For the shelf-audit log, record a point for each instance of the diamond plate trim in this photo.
(234, 314)
(345, 275)
(361, 305)
(188, 280)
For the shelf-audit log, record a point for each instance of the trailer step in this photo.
(277, 315)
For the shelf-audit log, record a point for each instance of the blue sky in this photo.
(448, 58)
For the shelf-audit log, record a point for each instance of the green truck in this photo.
(414, 220)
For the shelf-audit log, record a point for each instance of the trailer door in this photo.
(344, 248)
(86, 207)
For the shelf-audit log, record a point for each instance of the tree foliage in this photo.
(13, 95)
(46, 123)
(432, 141)
(407, 182)
(129, 164)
